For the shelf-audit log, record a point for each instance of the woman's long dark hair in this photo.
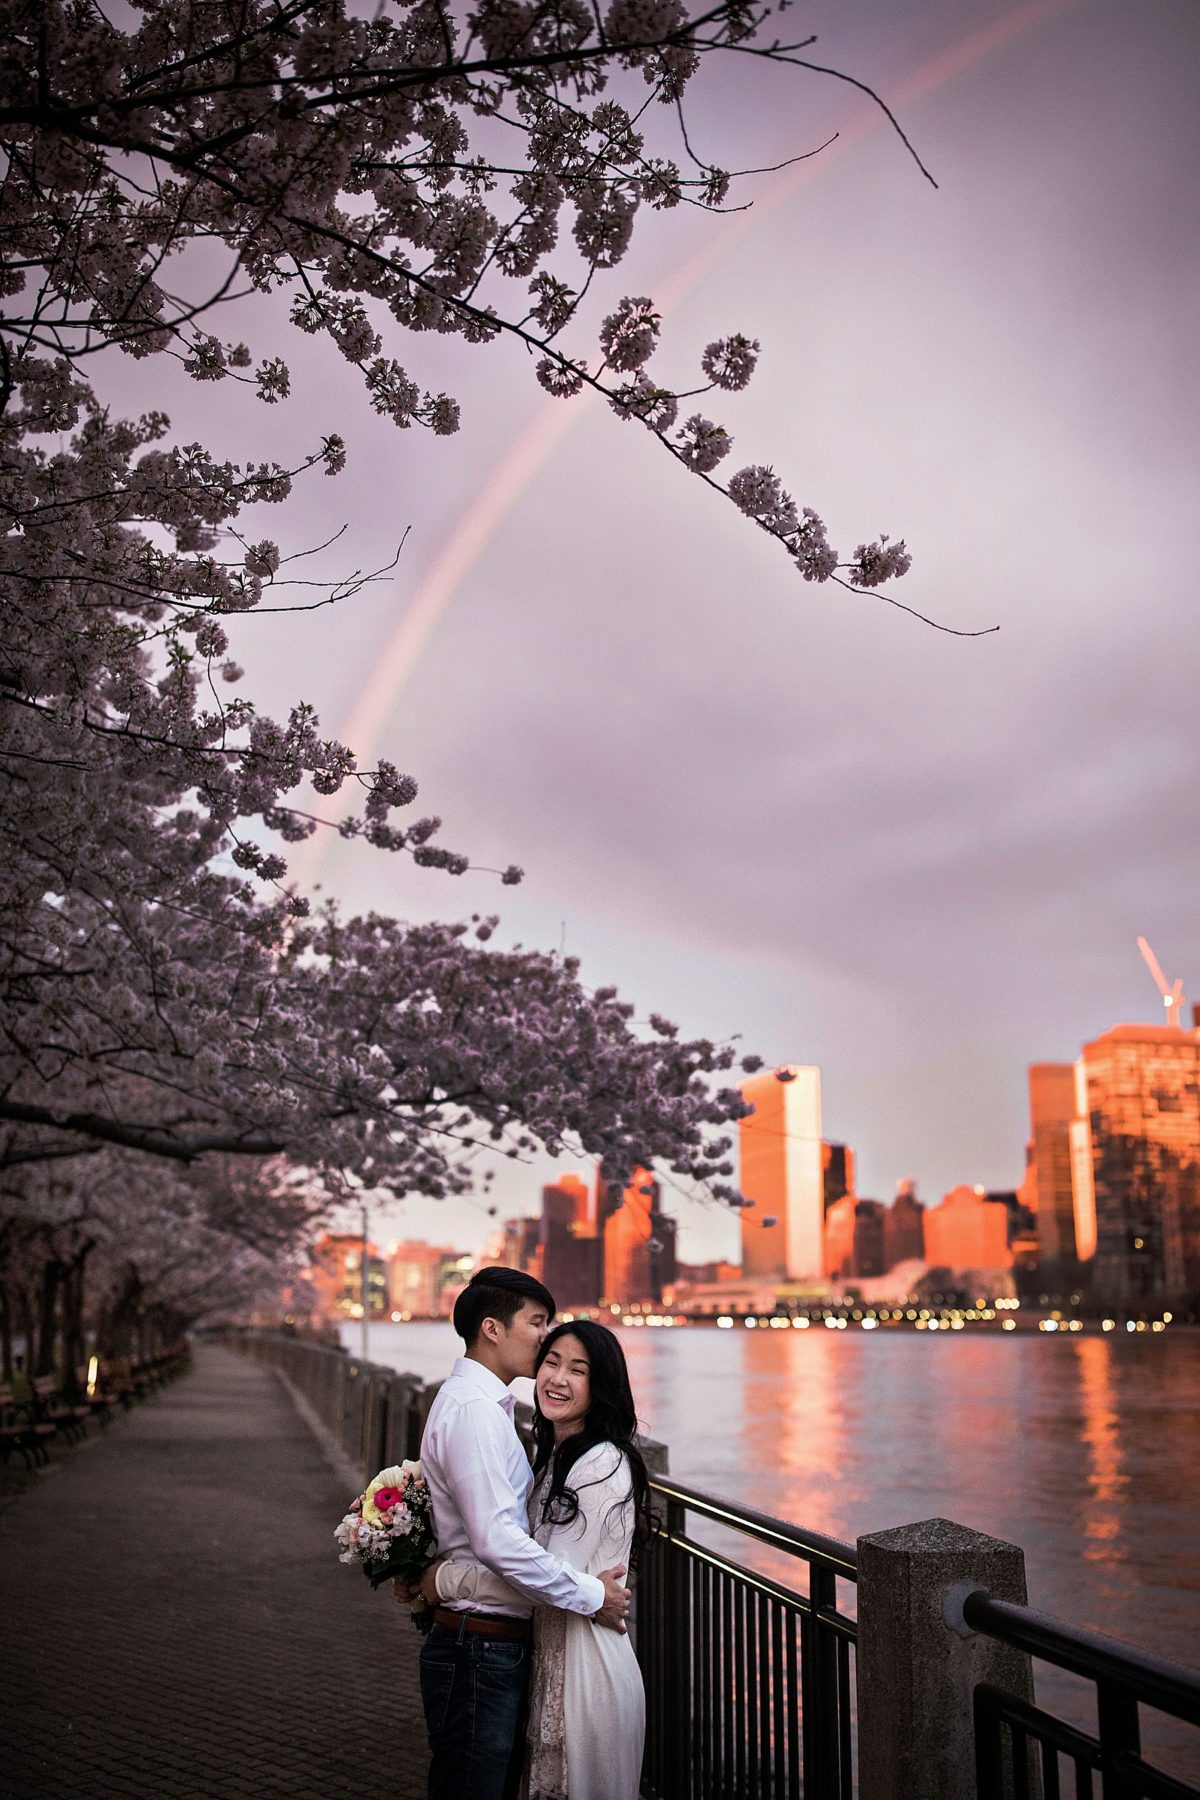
(610, 1419)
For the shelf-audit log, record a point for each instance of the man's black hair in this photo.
(496, 1294)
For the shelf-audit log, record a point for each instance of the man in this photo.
(475, 1664)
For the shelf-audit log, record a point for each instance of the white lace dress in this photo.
(587, 1706)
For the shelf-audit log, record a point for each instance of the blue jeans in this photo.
(473, 1690)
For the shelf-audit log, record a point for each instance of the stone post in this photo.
(656, 1454)
(919, 1665)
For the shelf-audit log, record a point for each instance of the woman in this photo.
(590, 1506)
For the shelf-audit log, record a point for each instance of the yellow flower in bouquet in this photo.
(389, 1483)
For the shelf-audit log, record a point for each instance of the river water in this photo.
(1085, 1450)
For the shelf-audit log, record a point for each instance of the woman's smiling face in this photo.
(563, 1384)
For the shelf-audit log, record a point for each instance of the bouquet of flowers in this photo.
(389, 1532)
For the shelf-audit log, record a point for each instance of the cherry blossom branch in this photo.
(147, 1138)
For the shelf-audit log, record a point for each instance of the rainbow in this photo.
(525, 458)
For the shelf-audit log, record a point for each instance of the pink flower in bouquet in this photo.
(393, 1481)
(388, 1497)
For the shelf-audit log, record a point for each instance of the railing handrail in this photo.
(1167, 1686)
(814, 1546)
(338, 1352)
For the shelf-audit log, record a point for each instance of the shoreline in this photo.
(1015, 1323)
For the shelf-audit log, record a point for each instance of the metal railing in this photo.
(1024, 1751)
(374, 1415)
(749, 1683)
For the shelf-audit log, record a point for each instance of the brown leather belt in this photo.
(495, 1625)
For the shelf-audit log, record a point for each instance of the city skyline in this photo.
(1054, 1165)
(1109, 1200)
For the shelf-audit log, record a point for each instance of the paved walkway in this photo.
(175, 1624)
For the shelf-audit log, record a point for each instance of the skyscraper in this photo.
(904, 1227)
(1049, 1190)
(571, 1248)
(968, 1230)
(782, 1171)
(837, 1172)
(870, 1225)
(630, 1245)
(664, 1254)
(522, 1245)
(840, 1221)
(337, 1275)
(1136, 1145)
(417, 1273)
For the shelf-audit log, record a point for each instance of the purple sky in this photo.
(783, 811)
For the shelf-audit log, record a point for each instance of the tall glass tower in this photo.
(782, 1172)
(1137, 1160)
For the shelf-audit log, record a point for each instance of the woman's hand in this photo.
(428, 1584)
(424, 1588)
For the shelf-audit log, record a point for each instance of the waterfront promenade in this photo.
(176, 1625)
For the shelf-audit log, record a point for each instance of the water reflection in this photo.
(798, 1418)
(1100, 1436)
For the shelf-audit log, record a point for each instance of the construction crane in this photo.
(1172, 992)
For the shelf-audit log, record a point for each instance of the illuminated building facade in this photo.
(1049, 1190)
(523, 1245)
(783, 1173)
(639, 1240)
(855, 1241)
(968, 1230)
(423, 1279)
(337, 1277)
(1136, 1143)
(572, 1251)
(839, 1239)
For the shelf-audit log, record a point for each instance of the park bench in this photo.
(164, 1367)
(98, 1402)
(120, 1382)
(149, 1373)
(52, 1408)
(20, 1430)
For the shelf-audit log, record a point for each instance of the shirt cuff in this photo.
(593, 1594)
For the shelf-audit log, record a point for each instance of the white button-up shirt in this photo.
(479, 1481)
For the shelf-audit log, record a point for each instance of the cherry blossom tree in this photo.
(130, 1252)
(167, 998)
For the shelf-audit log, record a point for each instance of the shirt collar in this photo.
(469, 1370)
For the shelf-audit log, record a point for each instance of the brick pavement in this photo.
(175, 1625)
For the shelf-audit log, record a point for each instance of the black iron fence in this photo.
(749, 1682)
(1025, 1752)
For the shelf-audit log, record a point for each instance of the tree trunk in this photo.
(42, 1359)
(73, 1342)
(119, 1321)
(6, 1337)
(24, 1311)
